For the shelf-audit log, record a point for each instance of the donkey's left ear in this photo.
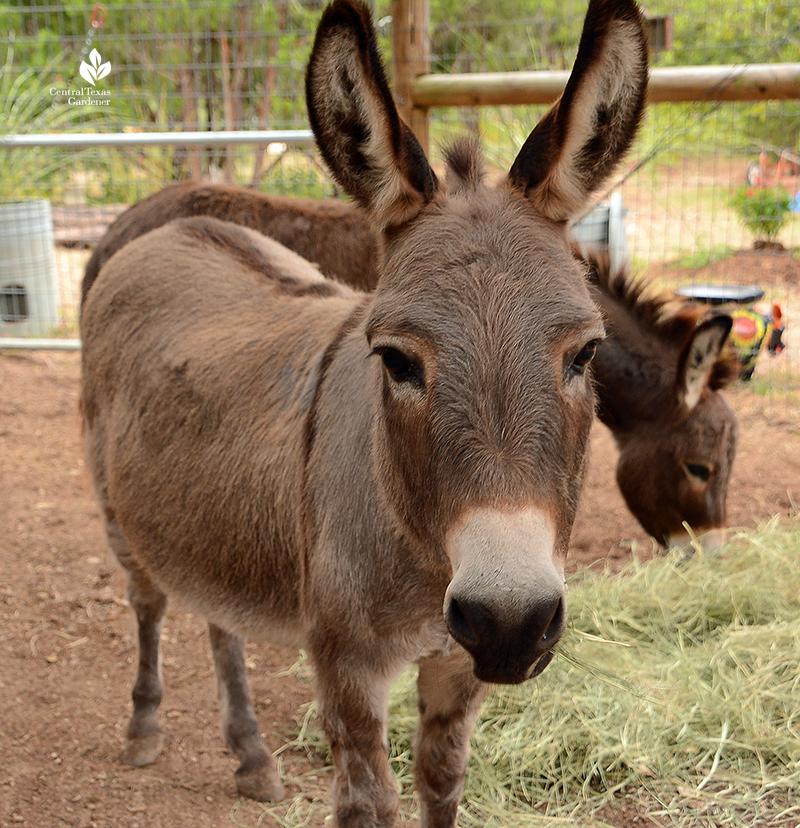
(576, 146)
(699, 356)
(370, 151)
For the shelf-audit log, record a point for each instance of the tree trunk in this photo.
(227, 104)
(191, 119)
(270, 85)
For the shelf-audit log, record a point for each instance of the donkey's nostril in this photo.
(556, 626)
(459, 625)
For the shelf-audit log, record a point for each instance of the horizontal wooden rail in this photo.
(755, 82)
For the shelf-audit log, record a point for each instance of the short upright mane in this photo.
(464, 159)
(651, 310)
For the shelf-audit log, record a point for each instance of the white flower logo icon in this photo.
(93, 71)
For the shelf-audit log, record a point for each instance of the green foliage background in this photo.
(231, 64)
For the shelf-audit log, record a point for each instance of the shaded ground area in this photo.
(67, 650)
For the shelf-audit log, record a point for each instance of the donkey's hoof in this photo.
(261, 784)
(143, 750)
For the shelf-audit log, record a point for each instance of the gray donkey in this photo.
(381, 478)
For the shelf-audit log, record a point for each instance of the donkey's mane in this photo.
(464, 160)
(652, 310)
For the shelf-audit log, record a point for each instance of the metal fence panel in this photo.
(139, 70)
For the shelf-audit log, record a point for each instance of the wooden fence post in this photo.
(411, 57)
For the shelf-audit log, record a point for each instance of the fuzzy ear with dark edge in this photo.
(699, 356)
(370, 151)
(576, 146)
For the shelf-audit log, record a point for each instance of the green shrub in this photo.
(763, 210)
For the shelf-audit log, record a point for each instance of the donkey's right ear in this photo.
(699, 356)
(370, 151)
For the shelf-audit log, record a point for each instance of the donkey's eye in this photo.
(400, 367)
(698, 471)
(583, 358)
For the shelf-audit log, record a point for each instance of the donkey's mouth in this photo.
(492, 674)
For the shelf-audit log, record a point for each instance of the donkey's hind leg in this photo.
(257, 776)
(144, 738)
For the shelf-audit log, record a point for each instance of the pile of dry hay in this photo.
(676, 693)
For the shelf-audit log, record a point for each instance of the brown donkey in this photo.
(659, 375)
(381, 478)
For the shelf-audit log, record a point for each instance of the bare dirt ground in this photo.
(68, 652)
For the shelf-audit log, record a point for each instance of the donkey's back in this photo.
(326, 231)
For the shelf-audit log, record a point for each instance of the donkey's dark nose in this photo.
(507, 647)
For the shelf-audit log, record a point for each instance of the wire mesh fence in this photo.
(222, 65)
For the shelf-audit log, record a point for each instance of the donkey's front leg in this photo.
(257, 777)
(353, 703)
(449, 699)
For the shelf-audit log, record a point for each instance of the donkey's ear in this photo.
(372, 154)
(699, 356)
(576, 145)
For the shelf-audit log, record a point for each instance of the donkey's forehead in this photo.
(482, 231)
(490, 255)
(481, 317)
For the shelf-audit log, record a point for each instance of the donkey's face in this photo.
(481, 327)
(682, 476)
(481, 343)
(660, 375)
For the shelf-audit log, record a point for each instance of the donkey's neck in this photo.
(635, 367)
